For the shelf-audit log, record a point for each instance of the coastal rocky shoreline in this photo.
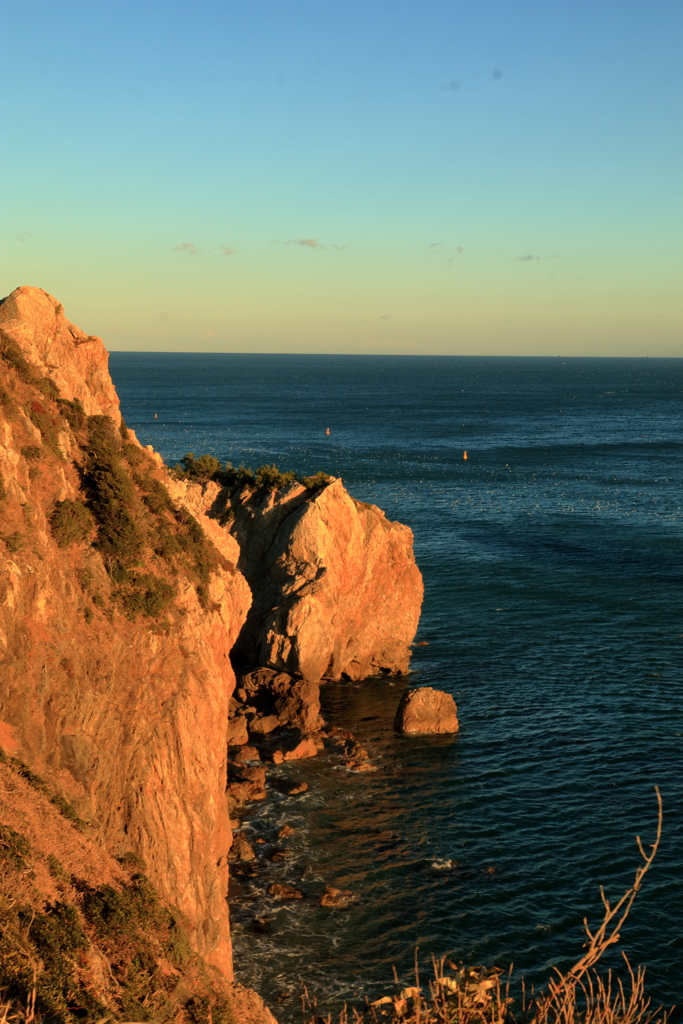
(126, 593)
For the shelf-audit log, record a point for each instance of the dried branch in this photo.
(564, 986)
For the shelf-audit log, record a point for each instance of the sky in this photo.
(357, 176)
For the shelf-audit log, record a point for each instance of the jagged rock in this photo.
(247, 784)
(241, 848)
(304, 748)
(426, 710)
(260, 925)
(124, 714)
(263, 724)
(237, 731)
(249, 773)
(280, 700)
(337, 593)
(246, 753)
(296, 790)
(358, 766)
(285, 892)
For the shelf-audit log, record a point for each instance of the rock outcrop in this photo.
(426, 710)
(118, 612)
(337, 593)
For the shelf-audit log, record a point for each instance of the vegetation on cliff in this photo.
(85, 937)
(123, 511)
(268, 477)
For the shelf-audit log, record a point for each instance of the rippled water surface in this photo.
(553, 562)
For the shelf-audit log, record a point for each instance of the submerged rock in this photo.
(260, 925)
(341, 898)
(284, 892)
(426, 710)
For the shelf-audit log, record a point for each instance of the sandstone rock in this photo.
(359, 766)
(341, 898)
(305, 748)
(301, 787)
(246, 753)
(336, 590)
(249, 773)
(286, 831)
(241, 848)
(263, 724)
(280, 700)
(285, 892)
(280, 855)
(426, 710)
(237, 731)
(247, 784)
(77, 363)
(127, 717)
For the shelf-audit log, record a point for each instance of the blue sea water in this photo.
(553, 563)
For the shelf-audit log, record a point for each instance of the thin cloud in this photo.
(228, 250)
(386, 316)
(523, 259)
(435, 245)
(187, 247)
(310, 243)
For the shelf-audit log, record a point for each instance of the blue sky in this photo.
(482, 177)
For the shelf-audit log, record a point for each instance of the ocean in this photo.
(553, 560)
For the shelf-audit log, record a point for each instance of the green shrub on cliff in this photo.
(71, 523)
(316, 481)
(204, 468)
(73, 412)
(51, 948)
(142, 593)
(111, 494)
(207, 467)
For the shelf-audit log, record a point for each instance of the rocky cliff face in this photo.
(117, 617)
(123, 592)
(337, 593)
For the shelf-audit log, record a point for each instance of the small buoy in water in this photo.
(156, 415)
(464, 455)
(327, 430)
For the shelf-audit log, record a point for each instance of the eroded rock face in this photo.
(124, 711)
(60, 351)
(426, 710)
(337, 593)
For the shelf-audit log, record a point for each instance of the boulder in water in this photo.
(426, 710)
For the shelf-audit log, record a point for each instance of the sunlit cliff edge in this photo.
(122, 594)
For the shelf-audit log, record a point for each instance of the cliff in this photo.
(123, 591)
(117, 617)
(337, 593)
